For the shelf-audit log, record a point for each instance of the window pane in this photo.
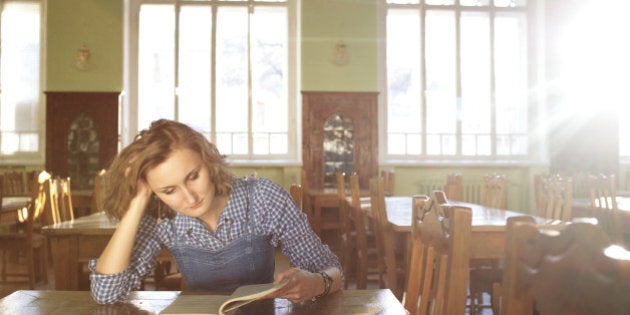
(511, 75)
(475, 77)
(510, 3)
(440, 2)
(403, 74)
(232, 74)
(440, 93)
(156, 64)
(195, 50)
(474, 2)
(269, 40)
(19, 77)
(403, 1)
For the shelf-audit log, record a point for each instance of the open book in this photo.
(219, 304)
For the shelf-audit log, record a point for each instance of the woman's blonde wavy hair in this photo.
(150, 148)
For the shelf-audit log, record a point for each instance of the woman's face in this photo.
(183, 183)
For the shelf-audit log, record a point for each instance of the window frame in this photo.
(23, 158)
(129, 112)
(536, 122)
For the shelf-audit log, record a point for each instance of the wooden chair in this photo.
(574, 270)
(603, 191)
(369, 266)
(389, 176)
(555, 198)
(1, 189)
(306, 199)
(603, 196)
(29, 242)
(494, 191)
(453, 187)
(348, 234)
(14, 184)
(485, 272)
(438, 272)
(59, 196)
(296, 194)
(98, 184)
(389, 250)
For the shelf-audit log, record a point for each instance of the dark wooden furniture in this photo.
(361, 109)
(153, 302)
(569, 271)
(81, 134)
(30, 242)
(339, 134)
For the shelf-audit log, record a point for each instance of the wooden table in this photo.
(488, 224)
(75, 242)
(152, 302)
(10, 207)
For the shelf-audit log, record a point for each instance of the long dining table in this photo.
(488, 224)
(380, 301)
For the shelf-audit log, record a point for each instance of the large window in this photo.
(457, 79)
(20, 39)
(224, 67)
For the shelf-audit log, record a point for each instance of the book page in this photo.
(199, 304)
(247, 294)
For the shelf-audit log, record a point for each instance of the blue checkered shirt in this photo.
(273, 211)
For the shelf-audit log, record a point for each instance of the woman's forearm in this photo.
(116, 256)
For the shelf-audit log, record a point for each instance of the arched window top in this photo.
(338, 147)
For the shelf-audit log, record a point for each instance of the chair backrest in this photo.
(603, 191)
(59, 200)
(453, 187)
(574, 270)
(14, 184)
(389, 178)
(494, 191)
(65, 199)
(36, 207)
(344, 213)
(296, 194)
(603, 195)
(555, 198)
(98, 186)
(439, 266)
(385, 235)
(306, 200)
(1, 188)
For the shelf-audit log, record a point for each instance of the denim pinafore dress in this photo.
(247, 260)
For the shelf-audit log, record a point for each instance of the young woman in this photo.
(172, 188)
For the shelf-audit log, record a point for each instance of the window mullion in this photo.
(493, 104)
(213, 77)
(250, 111)
(176, 63)
(423, 73)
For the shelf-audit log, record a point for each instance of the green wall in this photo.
(324, 24)
(97, 24)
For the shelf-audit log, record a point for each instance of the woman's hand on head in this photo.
(141, 199)
(301, 285)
